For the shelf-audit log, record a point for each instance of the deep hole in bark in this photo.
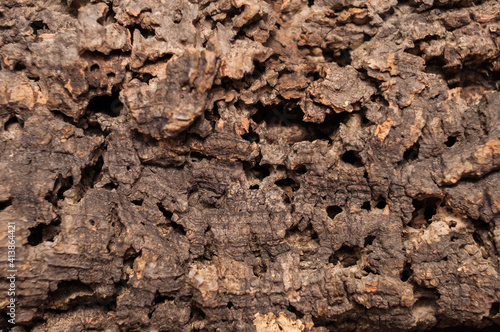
(64, 187)
(343, 59)
(107, 104)
(233, 12)
(143, 77)
(412, 152)
(130, 255)
(425, 209)
(159, 298)
(146, 33)
(138, 202)
(298, 314)
(38, 25)
(346, 256)
(368, 269)
(43, 232)
(61, 185)
(161, 59)
(19, 66)
(300, 169)
(333, 210)
(430, 211)
(406, 272)
(92, 174)
(197, 313)
(277, 115)
(260, 171)
(288, 182)
(495, 308)
(212, 115)
(451, 141)
(260, 269)
(32, 77)
(471, 78)
(414, 50)
(110, 186)
(381, 204)
(13, 123)
(251, 137)
(387, 14)
(254, 187)
(369, 240)
(366, 206)
(67, 290)
(290, 115)
(477, 238)
(352, 157)
(115, 221)
(315, 75)
(198, 156)
(5, 204)
(109, 17)
(167, 214)
(310, 232)
(435, 66)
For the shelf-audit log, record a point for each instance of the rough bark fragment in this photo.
(164, 107)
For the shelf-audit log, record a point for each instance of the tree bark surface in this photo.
(249, 165)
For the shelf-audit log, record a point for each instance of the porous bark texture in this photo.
(249, 165)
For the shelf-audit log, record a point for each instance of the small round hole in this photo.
(352, 157)
(366, 206)
(381, 205)
(333, 210)
(300, 169)
(13, 123)
(451, 141)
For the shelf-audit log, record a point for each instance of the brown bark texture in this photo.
(250, 165)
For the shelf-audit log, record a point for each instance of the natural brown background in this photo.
(243, 165)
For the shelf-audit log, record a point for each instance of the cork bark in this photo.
(250, 165)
